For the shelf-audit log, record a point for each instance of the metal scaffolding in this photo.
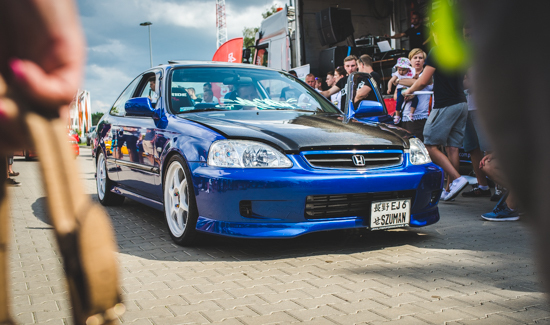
(221, 27)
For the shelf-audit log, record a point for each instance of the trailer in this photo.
(314, 32)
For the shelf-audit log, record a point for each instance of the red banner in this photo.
(230, 51)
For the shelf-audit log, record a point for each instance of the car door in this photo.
(355, 82)
(135, 139)
(107, 132)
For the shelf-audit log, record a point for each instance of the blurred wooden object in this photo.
(82, 228)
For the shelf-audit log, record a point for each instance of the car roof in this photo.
(212, 64)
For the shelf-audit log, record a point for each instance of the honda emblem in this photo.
(358, 160)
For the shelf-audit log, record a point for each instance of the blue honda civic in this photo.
(245, 151)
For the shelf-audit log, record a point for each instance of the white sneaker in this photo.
(444, 194)
(456, 187)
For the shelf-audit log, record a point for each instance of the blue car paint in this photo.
(218, 191)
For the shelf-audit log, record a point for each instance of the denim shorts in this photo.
(473, 134)
(445, 126)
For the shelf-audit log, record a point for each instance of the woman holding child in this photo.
(416, 124)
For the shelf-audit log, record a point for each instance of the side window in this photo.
(262, 57)
(149, 87)
(118, 106)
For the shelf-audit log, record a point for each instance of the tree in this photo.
(96, 117)
(249, 33)
(270, 11)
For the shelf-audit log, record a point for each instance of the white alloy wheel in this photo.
(176, 199)
(101, 177)
(104, 184)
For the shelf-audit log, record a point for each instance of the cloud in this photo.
(99, 106)
(237, 18)
(118, 48)
(194, 14)
(112, 48)
(105, 84)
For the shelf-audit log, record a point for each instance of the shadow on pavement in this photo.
(141, 232)
(40, 210)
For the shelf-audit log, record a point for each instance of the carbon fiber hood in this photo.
(295, 131)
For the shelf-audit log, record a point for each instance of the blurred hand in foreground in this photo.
(41, 62)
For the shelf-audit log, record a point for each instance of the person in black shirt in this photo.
(416, 34)
(446, 123)
(365, 65)
(364, 90)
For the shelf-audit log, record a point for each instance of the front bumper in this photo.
(277, 197)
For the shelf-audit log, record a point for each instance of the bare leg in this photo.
(511, 201)
(476, 156)
(452, 154)
(442, 161)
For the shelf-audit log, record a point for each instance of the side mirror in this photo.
(140, 106)
(368, 108)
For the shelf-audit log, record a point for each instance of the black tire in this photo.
(103, 184)
(181, 231)
(27, 155)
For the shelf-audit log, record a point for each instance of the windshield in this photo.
(215, 88)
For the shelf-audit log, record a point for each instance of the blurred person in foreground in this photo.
(41, 59)
(474, 139)
(513, 106)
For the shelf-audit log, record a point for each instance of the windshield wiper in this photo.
(204, 110)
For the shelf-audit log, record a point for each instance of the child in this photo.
(404, 71)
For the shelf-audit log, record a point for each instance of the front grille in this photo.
(346, 205)
(355, 160)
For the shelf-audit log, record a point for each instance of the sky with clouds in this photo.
(118, 47)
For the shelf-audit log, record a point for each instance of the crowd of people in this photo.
(442, 115)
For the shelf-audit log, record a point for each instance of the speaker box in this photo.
(334, 25)
(333, 57)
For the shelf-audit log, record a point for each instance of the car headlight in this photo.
(246, 154)
(418, 153)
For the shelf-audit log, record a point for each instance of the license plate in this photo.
(390, 214)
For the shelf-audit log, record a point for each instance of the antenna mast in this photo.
(221, 27)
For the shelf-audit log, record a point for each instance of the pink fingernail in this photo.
(3, 115)
(17, 69)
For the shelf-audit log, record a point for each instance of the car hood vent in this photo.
(293, 131)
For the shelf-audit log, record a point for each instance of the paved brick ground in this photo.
(459, 271)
